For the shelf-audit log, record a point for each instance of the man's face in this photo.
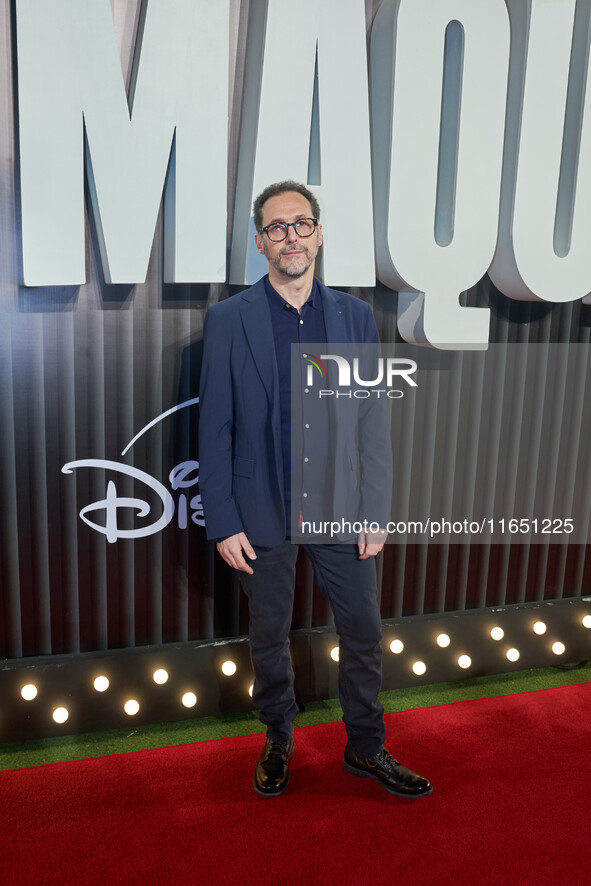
(293, 256)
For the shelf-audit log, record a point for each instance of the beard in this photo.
(294, 267)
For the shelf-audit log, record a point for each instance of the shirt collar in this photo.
(277, 303)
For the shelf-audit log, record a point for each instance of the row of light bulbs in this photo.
(497, 633)
(228, 668)
(132, 706)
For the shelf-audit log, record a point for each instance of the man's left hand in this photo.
(371, 543)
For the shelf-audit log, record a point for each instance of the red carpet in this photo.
(510, 805)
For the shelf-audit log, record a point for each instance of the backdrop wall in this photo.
(100, 372)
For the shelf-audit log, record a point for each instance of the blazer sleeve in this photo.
(216, 428)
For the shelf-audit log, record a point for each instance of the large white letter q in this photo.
(438, 81)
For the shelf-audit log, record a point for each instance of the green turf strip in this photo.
(98, 744)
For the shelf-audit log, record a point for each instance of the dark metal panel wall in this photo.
(82, 370)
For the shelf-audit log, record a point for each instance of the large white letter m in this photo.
(70, 82)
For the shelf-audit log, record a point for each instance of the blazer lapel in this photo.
(334, 319)
(258, 329)
(256, 321)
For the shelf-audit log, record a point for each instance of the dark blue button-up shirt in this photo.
(291, 327)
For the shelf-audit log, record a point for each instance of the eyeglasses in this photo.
(304, 227)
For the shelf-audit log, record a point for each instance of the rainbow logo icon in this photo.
(316, 362)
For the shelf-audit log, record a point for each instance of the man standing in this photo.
(245, 456)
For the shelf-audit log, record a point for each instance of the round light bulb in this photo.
(497, 633)
(131, 707)
(334, 653)
(513, 654)
(160, 676)
(587, 621)
(60, 715)
(443, 640)
(558, 648)
(539, 628)
(419, 668)
(229, 668)
(396, 646)
(189, 699)
(29, 692)
(464, 661)
(101, 684)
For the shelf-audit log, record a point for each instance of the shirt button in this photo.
(306, 459)
(306, 390)
(301, 322)
(305, 495)
(306, 426)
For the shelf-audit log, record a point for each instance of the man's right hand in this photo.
(231, 550)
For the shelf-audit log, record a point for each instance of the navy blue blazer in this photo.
(240, 460)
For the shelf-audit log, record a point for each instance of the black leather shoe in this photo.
(271, 776)
(388, 772)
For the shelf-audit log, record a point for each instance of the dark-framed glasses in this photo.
(304, 227)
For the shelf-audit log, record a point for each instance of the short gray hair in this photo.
(282, 188)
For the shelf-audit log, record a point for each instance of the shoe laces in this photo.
(277, 749)
(384, 758)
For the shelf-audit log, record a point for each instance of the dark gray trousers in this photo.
(350, 586)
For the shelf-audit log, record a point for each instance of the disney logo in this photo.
(183, 476)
